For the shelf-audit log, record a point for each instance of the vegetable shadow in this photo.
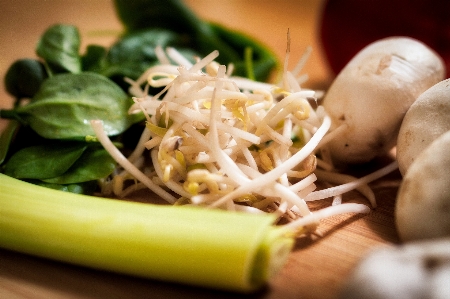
(25, 275)
(310, 239)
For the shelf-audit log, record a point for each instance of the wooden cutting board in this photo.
(318, 265)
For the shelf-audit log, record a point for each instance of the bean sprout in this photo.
(220, 141)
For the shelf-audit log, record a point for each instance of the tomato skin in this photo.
(347, 26)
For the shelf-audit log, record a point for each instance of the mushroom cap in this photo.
(422, 208)
(414, 270)
(373, 92)
(427, 118)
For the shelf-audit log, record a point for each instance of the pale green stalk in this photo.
(210, 248)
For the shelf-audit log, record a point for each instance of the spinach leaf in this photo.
(59, 46)
(263, 59)
(201, 36)
(94, 58)
(65, 104)
(79, 188)
(6, 139)
(43, 161)
(134, 53)
(95, 163)
(19, 137)
(24, 77)
(173, 15)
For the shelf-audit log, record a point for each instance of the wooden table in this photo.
(317, 268)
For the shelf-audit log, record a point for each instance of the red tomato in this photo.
(349, 25)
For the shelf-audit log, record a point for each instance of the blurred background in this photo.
(23, 21)
(335, 29)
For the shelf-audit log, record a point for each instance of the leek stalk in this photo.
(210, 248)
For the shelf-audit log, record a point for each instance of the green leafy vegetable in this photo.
(43, 161)
(68, 89)
(61, 165)
(94, 164)
(134, 53)
(66, 103)
(78, 188)
(202, 36)
(59, 46)
(6, 138)
(173, 15)
(263, 60)
(94, 58)
(24, 77)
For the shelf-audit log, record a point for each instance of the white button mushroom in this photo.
(423, 202)
(427, 118)
(414, 270)
(373, 92)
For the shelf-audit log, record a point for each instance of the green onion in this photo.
(190, 245)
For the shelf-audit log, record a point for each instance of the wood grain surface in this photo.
(318, 266)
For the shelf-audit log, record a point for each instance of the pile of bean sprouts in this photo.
(226, 142)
